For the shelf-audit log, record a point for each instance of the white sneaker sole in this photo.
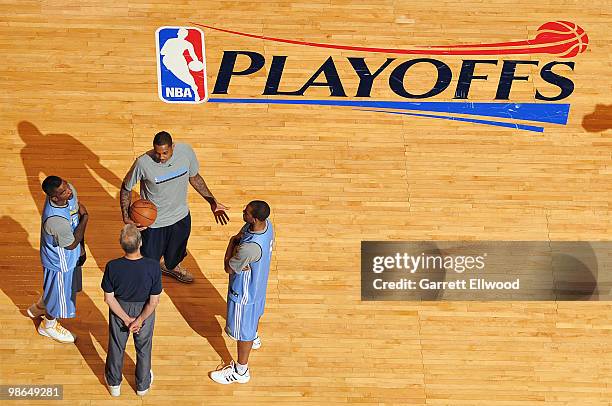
(226, 382)
(44, 334)
(229, 383)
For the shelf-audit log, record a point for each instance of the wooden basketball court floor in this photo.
(79, 100)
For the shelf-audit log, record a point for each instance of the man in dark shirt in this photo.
(132, 285)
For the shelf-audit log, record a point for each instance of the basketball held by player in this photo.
(164, 174)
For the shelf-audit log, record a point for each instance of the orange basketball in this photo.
(143, 212)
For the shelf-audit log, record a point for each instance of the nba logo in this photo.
(181, 65)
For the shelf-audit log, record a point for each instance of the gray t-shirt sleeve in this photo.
(134, 175)
(245, 254)
(61, 231)
(194, 165)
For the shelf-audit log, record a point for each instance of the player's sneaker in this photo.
(229, 375)
(57, 332)
(113, 390)
(256, 343)
(35, 311)
(179, 273)
(145, 391)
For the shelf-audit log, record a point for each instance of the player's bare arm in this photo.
(125, 197)
(200, 186)
(79, 232)
(231, 249)
(217, 208)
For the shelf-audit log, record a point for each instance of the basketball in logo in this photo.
(181, 65)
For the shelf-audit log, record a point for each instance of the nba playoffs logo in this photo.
(181, 65)
(182, 78)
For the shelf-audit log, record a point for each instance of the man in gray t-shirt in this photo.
(164, 173)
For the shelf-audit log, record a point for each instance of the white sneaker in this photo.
(35, 312)
(256, 343)
(113, 390)
(144, 392)
(229, 375)
(57, 332)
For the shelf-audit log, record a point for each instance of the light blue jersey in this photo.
(248, 287)
(52, 256)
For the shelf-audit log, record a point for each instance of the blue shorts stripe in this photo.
(60, 294)
(57, 293)
(243, 320)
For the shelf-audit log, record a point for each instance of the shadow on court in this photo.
(599, 120)
(65, 156)
(22, 282)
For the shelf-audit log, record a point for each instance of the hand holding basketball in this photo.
(196, 66)
(143, 212)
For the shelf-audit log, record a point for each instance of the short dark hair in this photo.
(50, 184)
(261, 209)
(162, 138)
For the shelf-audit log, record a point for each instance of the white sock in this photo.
(241, 369)
(50, 323)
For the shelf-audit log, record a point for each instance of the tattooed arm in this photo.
(198, 184)
(217, 208)
(125, 197)
(133, 176)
